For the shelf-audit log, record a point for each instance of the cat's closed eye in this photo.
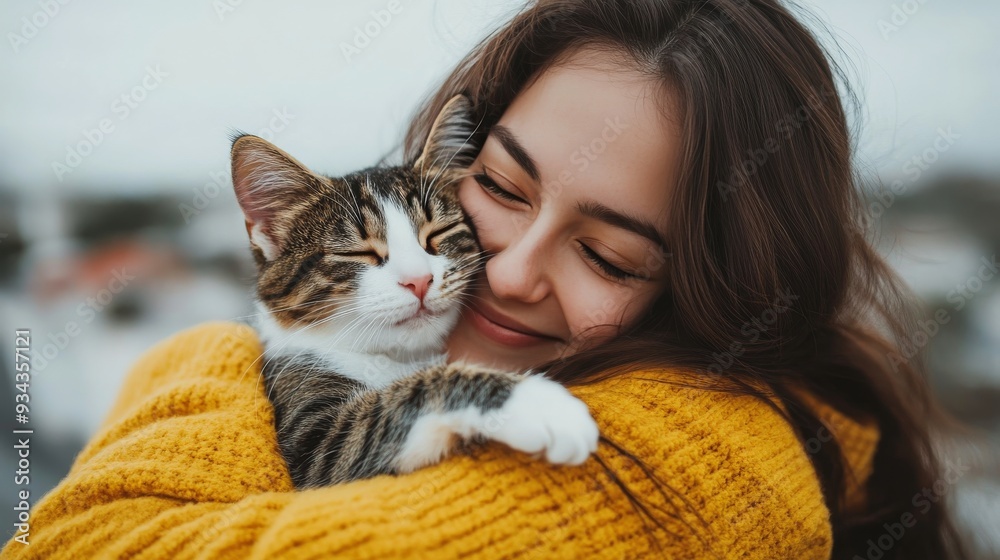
(434, 237)
(373, 257)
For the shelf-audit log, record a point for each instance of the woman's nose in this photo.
(518, 269)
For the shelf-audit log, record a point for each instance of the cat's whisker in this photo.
(374, 328)
(349, 205)
(288, 308)
(347, 329)
(272, 310)
(330, 302)
(284, 342)
(357, 301)
(288, 364)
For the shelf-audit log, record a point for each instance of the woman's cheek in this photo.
(592, 310)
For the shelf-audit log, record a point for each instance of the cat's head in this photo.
(374, 260)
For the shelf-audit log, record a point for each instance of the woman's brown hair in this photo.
(767, 212)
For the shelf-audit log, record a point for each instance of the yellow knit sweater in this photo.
(186, 465)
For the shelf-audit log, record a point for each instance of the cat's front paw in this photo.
(542, 416)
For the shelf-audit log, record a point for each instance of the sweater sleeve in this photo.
(186, 465)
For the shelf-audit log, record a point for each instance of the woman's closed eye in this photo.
(606, 267)
(603, 266)
(492, 187)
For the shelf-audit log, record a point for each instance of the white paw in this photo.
(542, 416)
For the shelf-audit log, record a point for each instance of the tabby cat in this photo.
(360, 279)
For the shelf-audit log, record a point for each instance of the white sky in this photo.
(940, 69)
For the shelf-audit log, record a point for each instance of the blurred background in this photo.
(118, 226)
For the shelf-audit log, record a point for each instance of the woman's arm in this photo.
(187, 466)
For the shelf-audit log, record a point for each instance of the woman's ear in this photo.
(268, 183)
(449, 144)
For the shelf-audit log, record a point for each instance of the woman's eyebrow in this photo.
(598, 211)
(589, 208)
(513, 147)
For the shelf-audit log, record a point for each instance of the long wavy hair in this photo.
(769, 203)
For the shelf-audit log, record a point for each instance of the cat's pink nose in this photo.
(418, 285)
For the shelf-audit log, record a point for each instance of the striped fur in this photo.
(333, 429)
(360, 280)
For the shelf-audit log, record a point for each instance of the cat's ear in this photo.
(450, 144)
(268, 182)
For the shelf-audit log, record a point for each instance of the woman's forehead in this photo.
(598, 133)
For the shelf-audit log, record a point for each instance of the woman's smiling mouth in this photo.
(504, 330)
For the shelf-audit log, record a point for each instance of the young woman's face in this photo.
(569, 198)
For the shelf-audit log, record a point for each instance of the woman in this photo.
(665, 192)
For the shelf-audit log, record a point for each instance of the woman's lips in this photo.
(485, 321)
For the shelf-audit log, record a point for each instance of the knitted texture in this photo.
(186, 465)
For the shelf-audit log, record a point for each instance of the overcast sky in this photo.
(193, 70)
